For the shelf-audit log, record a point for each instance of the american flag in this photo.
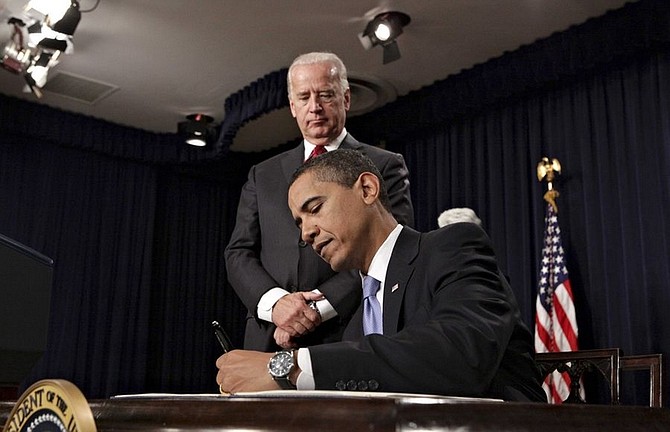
(555, 319)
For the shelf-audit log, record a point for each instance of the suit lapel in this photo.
(292, 160)
(397, 278)
(309, 263)
(350, 142)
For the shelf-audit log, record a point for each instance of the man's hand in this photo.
(242, 370)
(284, 340)
(293, 315)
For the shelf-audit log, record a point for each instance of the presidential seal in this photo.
(51, 405)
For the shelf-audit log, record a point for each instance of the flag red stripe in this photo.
(569, 334)
(555, 318)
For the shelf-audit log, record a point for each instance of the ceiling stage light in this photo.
(67, 24)
(61, 16)
(41, 35)
(196, 129)
(383, 30)
(35, 48)
(36, 73)
(14, 57)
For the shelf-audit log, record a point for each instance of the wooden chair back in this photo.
(577, 363)
(654, 364)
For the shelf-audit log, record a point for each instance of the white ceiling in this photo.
(171, 58)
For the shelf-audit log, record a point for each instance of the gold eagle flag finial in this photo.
(547, 170)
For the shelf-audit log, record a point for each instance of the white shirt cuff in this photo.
(267, 302)
(305, 380)
(326, 309)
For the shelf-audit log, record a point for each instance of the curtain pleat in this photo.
(610, 133)
(190, 287)
(93, 216)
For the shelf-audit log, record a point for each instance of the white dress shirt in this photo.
(377, 269)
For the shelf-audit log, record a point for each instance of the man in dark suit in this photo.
(449, 321)
(293, 297)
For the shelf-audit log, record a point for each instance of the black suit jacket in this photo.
(265, 250)
(451, 326)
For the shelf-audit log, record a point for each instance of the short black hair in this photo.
(343, 166)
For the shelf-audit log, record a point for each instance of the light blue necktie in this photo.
(372, 311)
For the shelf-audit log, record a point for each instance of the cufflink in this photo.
(312, 305)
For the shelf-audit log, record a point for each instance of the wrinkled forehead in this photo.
(325, 69)
(308, 76)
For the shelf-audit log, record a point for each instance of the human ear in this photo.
(347, 99)
(369, 186)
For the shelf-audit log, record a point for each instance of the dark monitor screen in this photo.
(25, 296)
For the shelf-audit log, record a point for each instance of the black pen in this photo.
(222, 337)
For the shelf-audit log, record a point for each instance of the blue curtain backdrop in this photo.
(136, 223)
(612, 135)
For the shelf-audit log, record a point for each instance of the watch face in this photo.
(280, 364)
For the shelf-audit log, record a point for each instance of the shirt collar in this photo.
(380, 261)
(334, 145)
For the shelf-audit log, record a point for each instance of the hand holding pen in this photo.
(222, 337)
(225, 343)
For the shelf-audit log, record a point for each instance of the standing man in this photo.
(437, 317)
(293, 297)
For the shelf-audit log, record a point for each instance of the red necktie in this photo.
(318, 150)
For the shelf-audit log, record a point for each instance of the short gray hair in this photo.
(338, 70)
(456, 215)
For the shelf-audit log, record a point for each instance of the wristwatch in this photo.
(280, 366)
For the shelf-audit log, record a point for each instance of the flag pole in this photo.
(546, 170)
(555, 317)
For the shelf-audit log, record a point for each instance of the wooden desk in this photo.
(209, 413)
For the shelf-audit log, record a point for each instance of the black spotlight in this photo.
(68, 23)
(383, 30)
(196, 129)
(53, 44)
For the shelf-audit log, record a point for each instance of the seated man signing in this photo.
(443, 321)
